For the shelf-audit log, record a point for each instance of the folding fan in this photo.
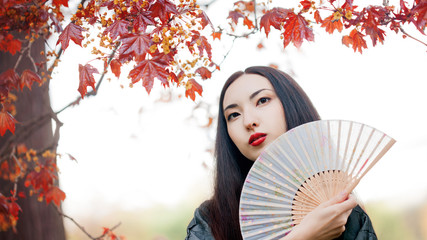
(302, 168)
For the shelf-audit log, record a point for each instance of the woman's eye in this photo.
(263, 100)
(232, 116)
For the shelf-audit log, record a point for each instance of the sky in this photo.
(134, 150)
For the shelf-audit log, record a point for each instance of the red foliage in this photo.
(28, 77)
(202, 44)
(56, 195)
(296, 29)
(204, 72)
(275, 17)
(117, 29)
(86, 78)
(134, 45)
(42, 180)
(235, 15)
(147, 70)
(9, 44)
(9, 211)
(331, 24)
(355, 39)
(163, 40)
(71, 32)
(7, 122)
(115, 67)
(191, 88)
(306, 4)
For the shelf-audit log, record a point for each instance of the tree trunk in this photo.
(37, 220)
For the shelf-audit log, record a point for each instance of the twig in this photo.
(30, 57)
(15, 182)
(93, 92)
(228, 52)
(256, 20)
(22, 53)
(404, 32)
(82, 228)
(26, 129)
(206, 5)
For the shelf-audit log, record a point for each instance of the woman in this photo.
(257, 106)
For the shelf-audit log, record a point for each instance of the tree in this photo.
(163, 40)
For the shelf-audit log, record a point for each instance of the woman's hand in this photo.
(327, 221)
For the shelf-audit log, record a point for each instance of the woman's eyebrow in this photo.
(250, 98)
(230, 106)
(257, 92)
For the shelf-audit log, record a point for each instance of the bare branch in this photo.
(404, 32)
(94, 92)
(206, 5)
(256, 20)
(28, 47)
(82, 228)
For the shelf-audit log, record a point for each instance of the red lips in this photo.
(257, 138)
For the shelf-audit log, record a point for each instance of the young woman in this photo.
(257, 106)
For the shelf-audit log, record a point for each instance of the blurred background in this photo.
(144, 161)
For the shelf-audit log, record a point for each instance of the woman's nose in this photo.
(251, 121)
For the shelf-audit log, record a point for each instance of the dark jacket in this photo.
(358, 227)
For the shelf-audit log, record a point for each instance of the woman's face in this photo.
(254, 114)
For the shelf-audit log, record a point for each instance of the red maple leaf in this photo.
(420, 12)
(249, 5)
(142, 20)
(8, 80)
(306, 4)
(317, 17)
(204, 72)
(296, 30)
(235, 15)
(134, 45)
(204, 19)
(248, 23)
(106, 230)
(330, 24)
(163, 9)
(7, 122)
(147, 70)
(191, 88)
(216, 35)
(202, 44)
(372, 18)
(71, 32)
(117, 29)
(28, 77)
(86, 78)
(8, 44)
(115, 66)
(41, 180)
(56, 195)
(275, 17)
(374, 32)
(356, 40)
(58, 3)
(9, 211)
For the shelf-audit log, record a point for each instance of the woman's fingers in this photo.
(347, 205)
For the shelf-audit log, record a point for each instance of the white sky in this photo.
(136, 152)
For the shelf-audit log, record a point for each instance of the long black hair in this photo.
(231, 166)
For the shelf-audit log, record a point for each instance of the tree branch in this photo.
(94, 92)
(82, 228)
(407, 34)
(27, 48)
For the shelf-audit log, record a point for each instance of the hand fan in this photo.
(302, 168)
